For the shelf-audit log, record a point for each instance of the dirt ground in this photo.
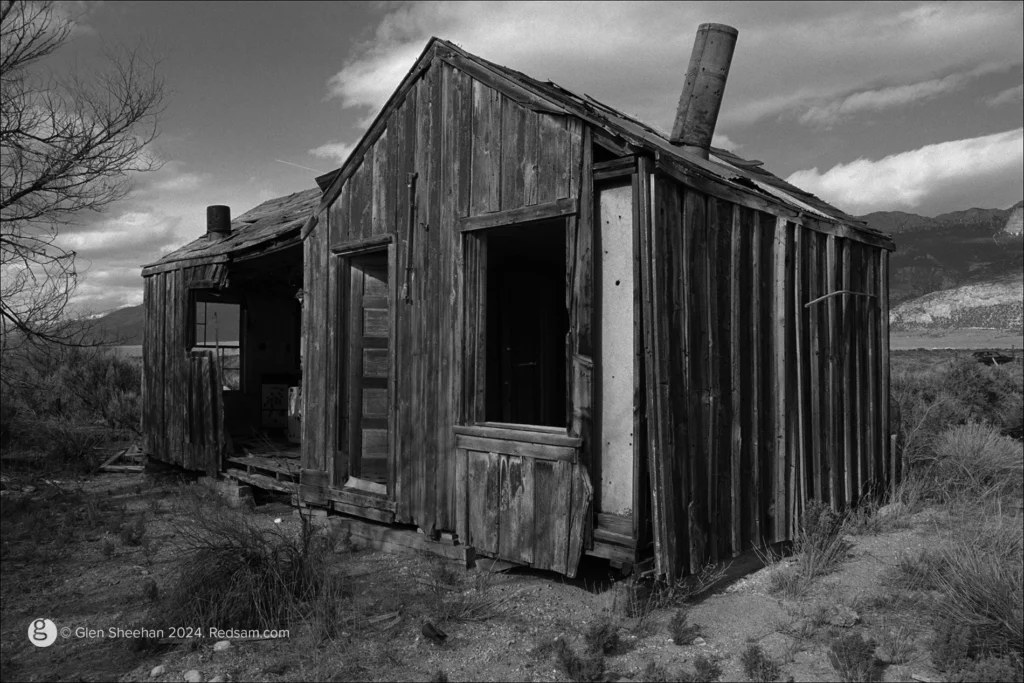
(84, 560)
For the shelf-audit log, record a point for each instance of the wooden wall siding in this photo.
(768, 402)
(474, 151)
(182, 407)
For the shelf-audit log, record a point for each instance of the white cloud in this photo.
(724, 142)
(890, 97)
(1008, 96)
(789, 58)
(166, 210)
(335, 151)
(946, 173)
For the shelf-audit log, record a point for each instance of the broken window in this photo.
(526, 324)
(217, 326)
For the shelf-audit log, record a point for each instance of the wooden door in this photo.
(368, 368)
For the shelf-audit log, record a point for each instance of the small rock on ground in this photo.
(843, 616)
(157, 671)
(222, 645)
(193, 676)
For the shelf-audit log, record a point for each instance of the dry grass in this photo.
(817, 550)
(854, 660)
(975, 461)
(248, 574)
(452, 600)
(758, 666)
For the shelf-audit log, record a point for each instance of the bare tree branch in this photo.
(67, 146)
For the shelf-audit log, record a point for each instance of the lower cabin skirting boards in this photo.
(615, 553)
(380, 537)
(369, 527)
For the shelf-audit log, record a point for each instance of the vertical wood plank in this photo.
(525, 540)
(447, 296)
(406, 447)
(486, 194)
(834, 445)
(695, 321)
(380, 211)
(334, 308)
(168, 349)
(147, 364)
(513, 133)
(530, 160)
(549, 163)
(887, 451)
(711, 389)
(819, 480)
(757, 381)
(846, 353)
(492, 511)
(736, 352)
(545, 510)
(461, 498)
(801, 403)
(582, 504)
(779, 377)
(477, 501)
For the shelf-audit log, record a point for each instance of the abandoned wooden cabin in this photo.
(544, 329)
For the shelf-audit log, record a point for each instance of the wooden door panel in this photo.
(522, 506)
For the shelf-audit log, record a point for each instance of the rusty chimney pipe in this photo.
(702, 94)
(218, 222)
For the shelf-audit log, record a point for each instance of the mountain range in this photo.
(958, 270)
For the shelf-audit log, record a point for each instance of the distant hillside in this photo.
(124, 326)
(974, 246)
(993, 305)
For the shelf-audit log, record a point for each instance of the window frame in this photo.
(475, 245)
(197, 296)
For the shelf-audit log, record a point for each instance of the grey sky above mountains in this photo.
(911, 107)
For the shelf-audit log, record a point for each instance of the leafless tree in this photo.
(68, 145)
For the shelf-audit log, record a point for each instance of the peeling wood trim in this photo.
(614, 146)
(309, 226)
(556, 209)
(184, 263)
(364, 244)
(616, 168)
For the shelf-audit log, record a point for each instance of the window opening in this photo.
(218, 328)
(527, 322)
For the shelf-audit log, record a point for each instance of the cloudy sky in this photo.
(906, 106)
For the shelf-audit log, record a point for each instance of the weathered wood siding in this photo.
(474, 151)
(182, 414)
(768, 402)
